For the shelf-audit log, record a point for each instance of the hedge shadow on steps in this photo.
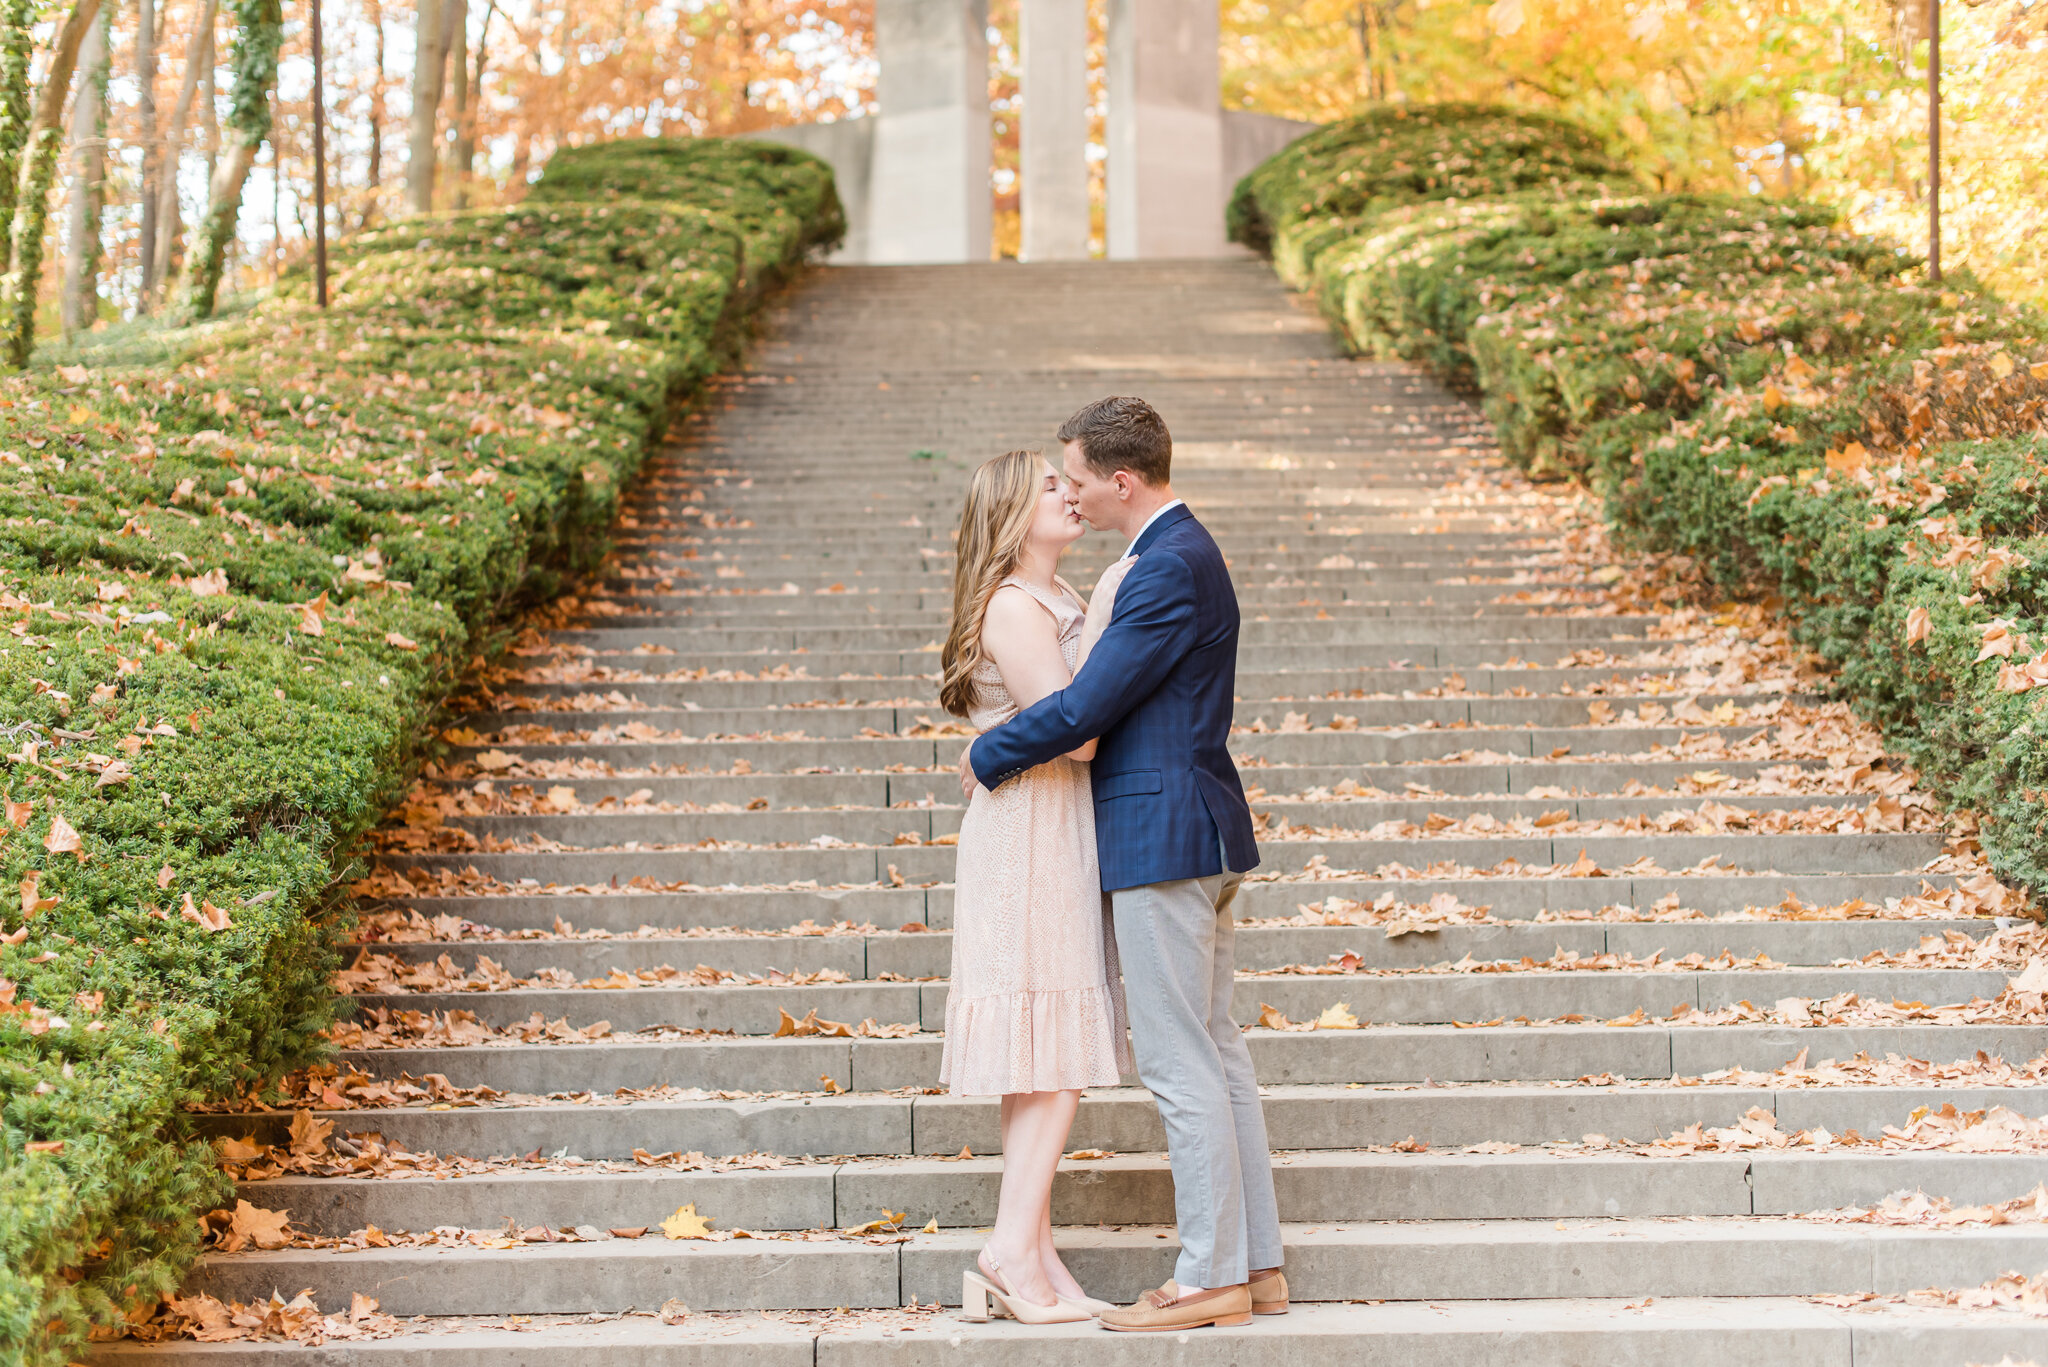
(239, 583)
(1745, 382)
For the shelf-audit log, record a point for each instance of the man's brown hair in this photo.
(1122, 434)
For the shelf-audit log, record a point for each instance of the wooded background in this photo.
(152, 151)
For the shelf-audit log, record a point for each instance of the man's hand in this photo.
(968, 782)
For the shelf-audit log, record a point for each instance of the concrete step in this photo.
(1388, 1053)
(1835, 854)
(929, 954)
(1277, 684)
(1340, 748)
(780, 607)
(871, 658)
(1252, 634)
(592, 905)
(1461, 1260)
(931, 784)
(1123, 1120)
(1669, 1332)
(850, 718)
(1419, 998)
(1137, 1189)
(879, 824)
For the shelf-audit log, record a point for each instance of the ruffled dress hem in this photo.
(1054, 1041)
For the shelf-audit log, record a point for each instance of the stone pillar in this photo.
(929, 196)
(1054, 151)
(1166, 188)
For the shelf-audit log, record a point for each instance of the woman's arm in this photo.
(1152, 631)
(1020, 636)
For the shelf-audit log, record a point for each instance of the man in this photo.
(1174, 838)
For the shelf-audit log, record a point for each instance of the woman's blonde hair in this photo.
(1002, 498)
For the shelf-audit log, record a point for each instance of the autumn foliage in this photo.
(1823, 100)
(1792, 405)
(238, 584)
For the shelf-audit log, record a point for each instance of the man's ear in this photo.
(1125, 481)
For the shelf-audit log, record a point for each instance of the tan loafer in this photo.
(1167, 1309)
(1269, 1293)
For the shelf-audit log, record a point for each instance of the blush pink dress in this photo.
(1037, 999)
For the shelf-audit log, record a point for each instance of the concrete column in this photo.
(929, 197)
(1054, 37)
(1166, 186)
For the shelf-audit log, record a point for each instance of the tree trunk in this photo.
(276, 210)
(45, 140)
(145, 121)
(465, 135)
(209, 119)
(458, 107)
(429, 71)
(259, 31)
(199, 57)
(375, 11)
(79, 304)
(17, 47)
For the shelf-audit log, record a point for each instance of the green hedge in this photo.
(1743, 381)
(234, 588)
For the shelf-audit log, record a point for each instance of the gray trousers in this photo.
(1177, 944)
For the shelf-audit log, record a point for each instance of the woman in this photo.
(1036, 1011)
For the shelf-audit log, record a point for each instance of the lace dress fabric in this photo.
(1036, 1003)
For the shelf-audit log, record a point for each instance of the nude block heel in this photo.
(974, 1294)
(977, 1292)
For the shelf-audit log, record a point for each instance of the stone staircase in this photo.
(714, 797)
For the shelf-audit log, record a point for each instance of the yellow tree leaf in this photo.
(686, 1223)
(1337, 1017)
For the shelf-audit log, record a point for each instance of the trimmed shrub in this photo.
(1743, 381)
(236, 586)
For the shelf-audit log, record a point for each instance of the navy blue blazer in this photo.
(1158, 690)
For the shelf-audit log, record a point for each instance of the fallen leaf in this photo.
(309, 1136)
(209, 585)
(62, 839)
(255, 1225)
(31, 903)
(206, 915)
(1918, 624)
(1337, 1017)
(686, 1223)
(1995, 638)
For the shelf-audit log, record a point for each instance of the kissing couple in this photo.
(1105, 837)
